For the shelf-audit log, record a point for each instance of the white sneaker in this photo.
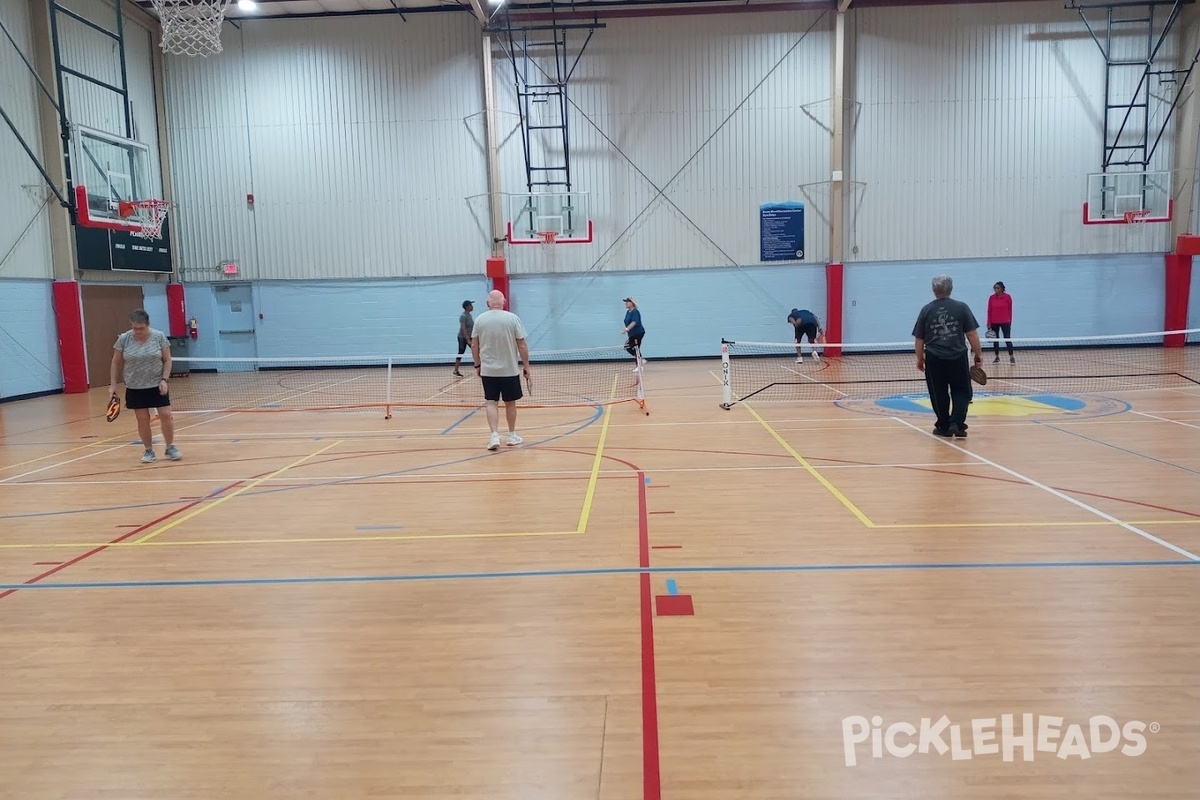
(173, 453)
(148, 457)
(816, 357)
(514, 440)
(494, 444)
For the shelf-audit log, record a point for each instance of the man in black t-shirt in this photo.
(943, 331)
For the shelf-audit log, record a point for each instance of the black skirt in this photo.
(146, 398)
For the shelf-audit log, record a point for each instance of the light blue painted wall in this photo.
(345, 318)
(154, 301)
(201, 305)
(1081, 296)
(29, 361)
(685, 312)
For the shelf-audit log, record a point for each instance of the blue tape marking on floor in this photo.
(379, 527)
(462, 419)
(1117, 447)
(553, 573)
(672, 588)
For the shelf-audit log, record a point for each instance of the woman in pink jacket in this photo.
(999, 320)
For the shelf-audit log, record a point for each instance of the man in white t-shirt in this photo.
(497, 342)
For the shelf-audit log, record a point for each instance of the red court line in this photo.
(118, 540)
(651, 772)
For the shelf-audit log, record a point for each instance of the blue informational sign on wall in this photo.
(781, 231)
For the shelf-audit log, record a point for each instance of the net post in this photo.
(641, 378)
(726, 390)
(387, 399)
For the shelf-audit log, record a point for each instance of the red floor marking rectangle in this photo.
(674, 605)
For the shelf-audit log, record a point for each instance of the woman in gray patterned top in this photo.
(142, 359)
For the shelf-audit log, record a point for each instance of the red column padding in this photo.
(1179, 284)
(834, 274)
(176, 310)
(497, 270)
(68, 315)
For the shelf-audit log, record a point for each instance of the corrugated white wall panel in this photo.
(680, 128)
(24, 198)
(977, 128)
(355, 138)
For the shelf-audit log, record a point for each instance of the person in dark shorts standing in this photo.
(806, 324)
(999, 321)
(465, 324)
(944, 330)
(142, 360)
(634, 332)
(497, 342)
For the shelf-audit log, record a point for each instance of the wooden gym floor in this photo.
(695, 605)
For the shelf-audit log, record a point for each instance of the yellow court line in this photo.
(231, 495)
(863, 518)
(590, 495)
(293, 540)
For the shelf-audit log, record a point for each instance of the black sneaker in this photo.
(959, 433)
(942, 432)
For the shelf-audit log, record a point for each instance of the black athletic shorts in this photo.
(809, 330)
(507, 388)
(146, 398)
(462, 345)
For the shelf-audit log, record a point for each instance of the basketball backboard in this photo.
(1119, 198)
(565, 214)
(108, 170)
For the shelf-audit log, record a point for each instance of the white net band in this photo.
(191, 27)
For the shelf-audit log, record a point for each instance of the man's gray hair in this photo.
(943, 285)
(139, 317)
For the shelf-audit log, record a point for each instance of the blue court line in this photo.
(672, 588)
(379, 527)
(556, 573)
(1118, 447)
(599, 412)
(462, 419)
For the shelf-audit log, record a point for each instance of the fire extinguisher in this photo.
(193, 329)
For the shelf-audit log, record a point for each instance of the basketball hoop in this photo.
(150, 214)
(548, 240)
(191, 27)
(1137, 219)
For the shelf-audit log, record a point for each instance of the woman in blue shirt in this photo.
(634, 331)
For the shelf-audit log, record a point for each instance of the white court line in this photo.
(813, 380)
(1164, 419)
(63, 463)
(474, 475)
(98, 453)
(1055, 492)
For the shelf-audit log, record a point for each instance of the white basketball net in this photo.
(191, 27)
(1136, 220)
(150, 214)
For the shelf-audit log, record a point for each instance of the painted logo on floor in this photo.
(986, 404)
